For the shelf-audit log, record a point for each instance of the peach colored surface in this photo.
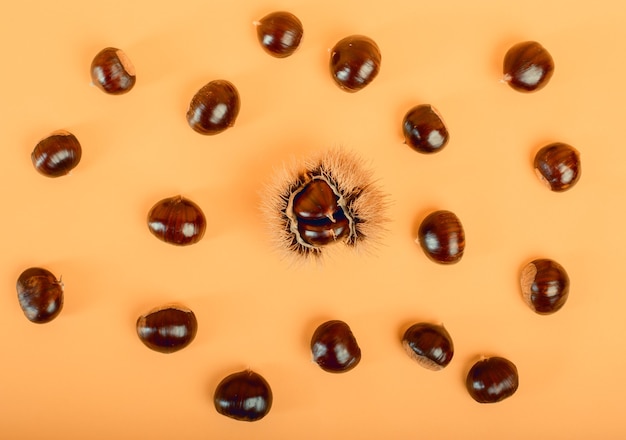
(86, 375)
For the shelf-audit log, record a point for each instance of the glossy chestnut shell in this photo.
(442, 237)
(429, 344)
(545, 286)
(424, 130)
(334, 347)
(177, 220)
(528, 66)
(40, 295)
(167, 329)
(558, 165)
(279, 33)
(57, 154)
(354, 62)
(244, 396)
(492, 379)
(214, 108)
(112, 71)
(320, 219)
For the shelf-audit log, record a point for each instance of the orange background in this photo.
(86, 375)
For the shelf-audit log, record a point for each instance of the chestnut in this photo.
(528, 66)
(545, 286)
(214, 107)
(429, 344)
(40, 294)
(244, 396)
(558, 165)
(112, 71)
(354, 62)
(167, 329)
(491, 380)
(279, 33)
(177, 220)
(57, 154)
(334, 347)
(442, 238)
(424, 130)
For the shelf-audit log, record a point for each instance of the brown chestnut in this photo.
(167, 329)
(545, 286)
(424, 130)
(214, 108)
(334, 347)
(177, 220)
(429, 344)
(57, 154)
(528, 66)
(112, 71)
(354, 62)
(40, 295)
(279, 33)
(558, 165)
(442, 238)
(244, 396)
(491, 380)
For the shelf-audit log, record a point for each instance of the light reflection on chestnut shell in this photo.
(279, 33)
(40, 295)
(442, 237)
(177, 220)
(57, 154)
(112, 71)
(167, 329)
(244, 396)
(545, 286)
(354, 62)
(492, 379)
(214, 108)
(429, 344)
(528, 66)
(558, 165)
(334, 347)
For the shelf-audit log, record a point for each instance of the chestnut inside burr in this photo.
(244, 396)
(424, 130)
(558, 165)
(214, 108)
(40, 295)
(167, 329)
(354, 62)
(492, 380)
(318, 214)
(442, 237)
(112, 71)
(429, 344)
(177, 220)
(528, 66)
(545, 286)
(279, 33)
(335, 348)
(57, 154)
